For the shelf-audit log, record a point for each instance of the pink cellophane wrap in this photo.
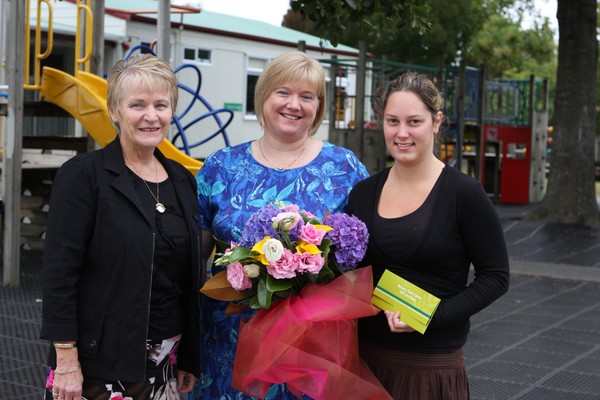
(310, 343)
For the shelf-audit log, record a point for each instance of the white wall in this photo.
(223, 81)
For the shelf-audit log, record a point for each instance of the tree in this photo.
(368, 16)
(510, 52)
(570, 196)
(434, 32)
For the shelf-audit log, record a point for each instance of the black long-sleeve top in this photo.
(98, 266)
(457, 226)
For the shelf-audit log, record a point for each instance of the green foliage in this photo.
(336, 17)
(429, 32)
(478, 32)
(507, 51)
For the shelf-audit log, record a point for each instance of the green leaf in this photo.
(310, 8)
(237, 254)
(254, 303)
(351, 4)
(326, 275)
(312, 278)
(277, 285)
(324, 246)
(335, 268)
(221, 244)
(263, 294)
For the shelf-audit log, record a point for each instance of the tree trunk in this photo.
(571, 196)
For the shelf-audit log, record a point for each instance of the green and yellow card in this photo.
(416, 306)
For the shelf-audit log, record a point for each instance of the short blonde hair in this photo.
(145, 69)
(294, 66)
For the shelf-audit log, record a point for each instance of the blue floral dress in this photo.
(232, 186)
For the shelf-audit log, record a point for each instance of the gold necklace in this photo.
(160, 207)
(290, 164)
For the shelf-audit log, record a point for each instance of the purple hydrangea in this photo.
(349, 239)
(259, 225)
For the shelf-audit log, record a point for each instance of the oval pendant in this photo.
(160, 208)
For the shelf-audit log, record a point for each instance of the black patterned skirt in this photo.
(160, 383)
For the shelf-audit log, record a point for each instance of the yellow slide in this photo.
(84, 97)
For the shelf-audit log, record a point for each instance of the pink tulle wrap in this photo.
(310, 343)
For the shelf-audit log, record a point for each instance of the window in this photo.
(153, 48)
(255, 67)
(147, 49)
(517, 151)
(202, 56)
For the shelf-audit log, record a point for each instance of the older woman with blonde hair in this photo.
(286, 164)
(122, 269)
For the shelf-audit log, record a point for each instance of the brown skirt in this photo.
(415, 376)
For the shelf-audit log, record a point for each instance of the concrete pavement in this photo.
(541, 341)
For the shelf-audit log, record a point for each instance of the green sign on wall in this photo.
(233, 106)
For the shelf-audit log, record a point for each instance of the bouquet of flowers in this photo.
(300, 273)
(284, 248)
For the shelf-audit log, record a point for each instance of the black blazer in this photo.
(97, 268)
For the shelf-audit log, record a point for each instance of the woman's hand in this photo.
(396, 326)
(185, 381)
(68, 379)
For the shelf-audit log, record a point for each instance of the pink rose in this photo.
(285, 267)
(237, 277)
(308, 214)
(310, 262)
(286, 220)
(312, 235)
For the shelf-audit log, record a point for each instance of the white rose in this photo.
(252, 270)
(273, 250)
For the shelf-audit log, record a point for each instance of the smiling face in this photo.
(409, 128)
(290, 109)
(291, 77)
(143, 115)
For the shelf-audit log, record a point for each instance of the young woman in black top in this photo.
(428, 223)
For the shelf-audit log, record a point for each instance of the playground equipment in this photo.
(495, 129)
(515, 133)
(177, 121)
(83, 95)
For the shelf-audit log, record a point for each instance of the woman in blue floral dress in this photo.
(286, 165)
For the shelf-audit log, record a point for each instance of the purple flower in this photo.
(259, 225)
(349, 239)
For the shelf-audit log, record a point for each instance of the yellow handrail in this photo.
(85, 60)
(39, 56)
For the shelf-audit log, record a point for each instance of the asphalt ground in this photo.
(539, 341)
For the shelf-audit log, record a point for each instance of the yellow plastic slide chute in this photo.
(84, 97)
